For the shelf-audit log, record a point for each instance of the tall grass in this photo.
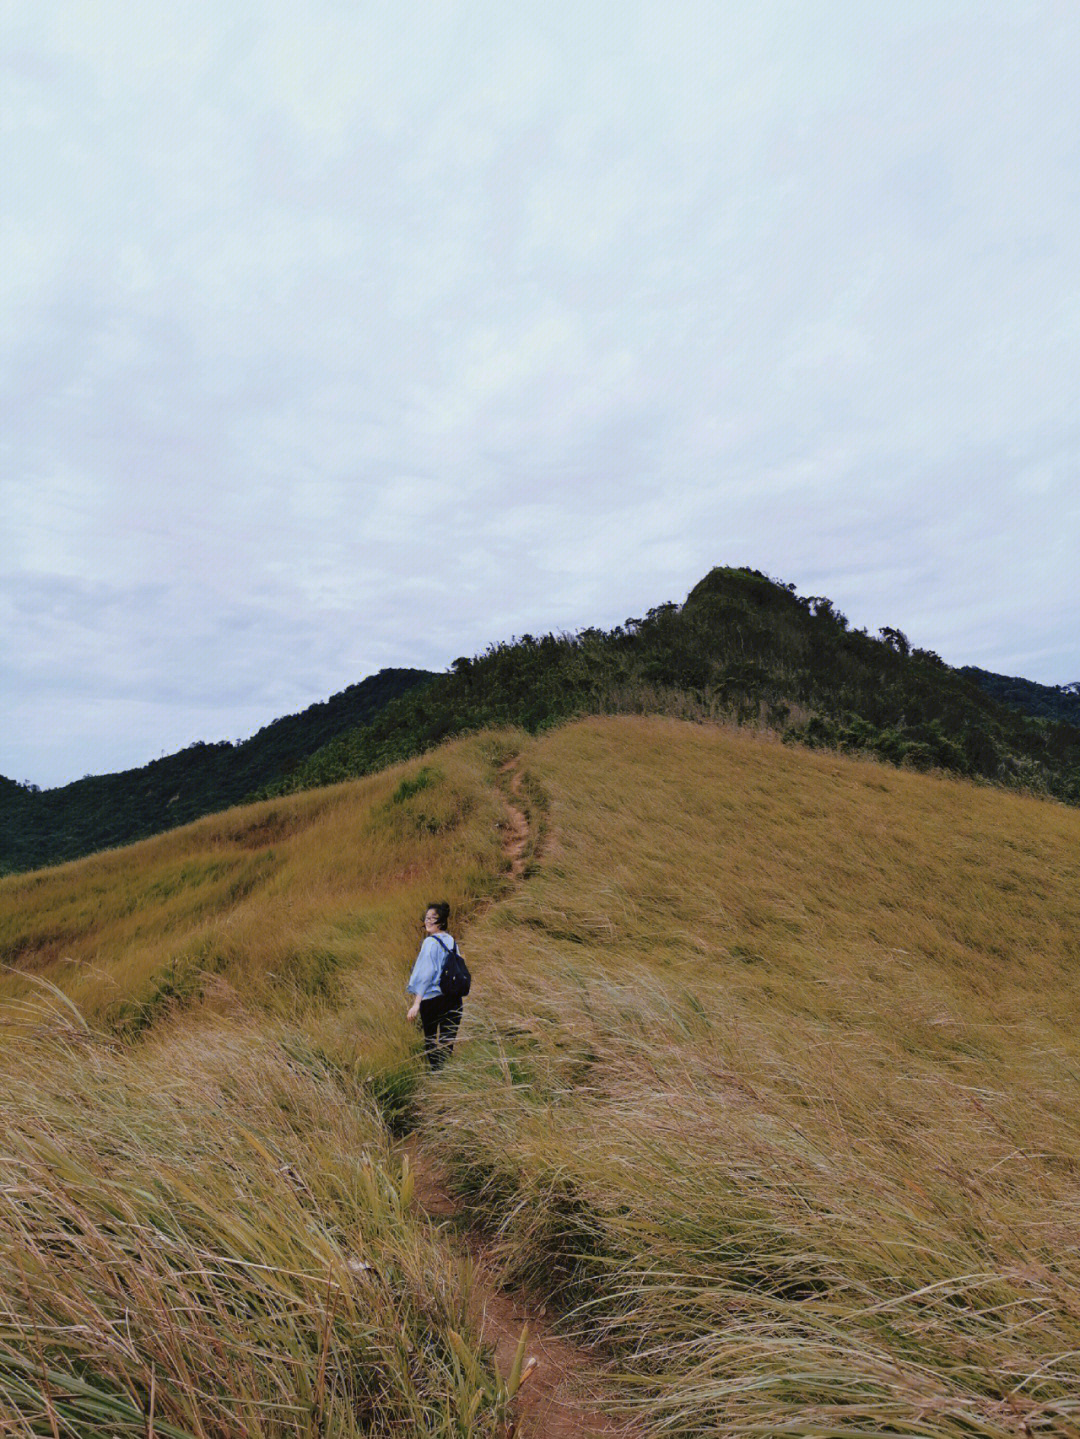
(773, 1085)
(769, 1081)
(208, 1237)
(203, 1228)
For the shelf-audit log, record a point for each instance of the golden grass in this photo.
(284, 904)
(203, 1230)
(208, 1237)
(769, 1078)
(774, 1075)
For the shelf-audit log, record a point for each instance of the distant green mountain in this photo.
(1052, 702)
(39, 827)
(743, 648)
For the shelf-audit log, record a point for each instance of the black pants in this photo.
(440, 1018)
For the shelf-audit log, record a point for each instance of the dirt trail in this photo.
(561, 1395)
(516, 841)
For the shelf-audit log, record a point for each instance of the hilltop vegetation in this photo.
(742, 648)
(46, 827)
(1051, 702)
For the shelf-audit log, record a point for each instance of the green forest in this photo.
(1053, 702)
(742, 649)
(40, 827)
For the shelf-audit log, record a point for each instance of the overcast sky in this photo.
(344, 335)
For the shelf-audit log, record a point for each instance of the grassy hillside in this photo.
(278, 903)
(39, 827)
(203, 1231)
(774, 1084)
(742, 648)
(769, 1084)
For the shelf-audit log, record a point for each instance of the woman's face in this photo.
(431, 920)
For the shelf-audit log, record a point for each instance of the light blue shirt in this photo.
(424, 979)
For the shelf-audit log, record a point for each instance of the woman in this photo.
(439, 1015)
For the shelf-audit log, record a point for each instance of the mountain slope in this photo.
(101, 811)
(771, 1077)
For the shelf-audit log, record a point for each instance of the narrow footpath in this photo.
(564, 1387)
(516, 841)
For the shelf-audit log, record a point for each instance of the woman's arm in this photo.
(423, 972)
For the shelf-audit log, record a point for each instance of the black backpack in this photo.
(455, 981)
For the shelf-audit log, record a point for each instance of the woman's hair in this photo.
(442, 911)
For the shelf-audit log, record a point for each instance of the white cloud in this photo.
(363, 335)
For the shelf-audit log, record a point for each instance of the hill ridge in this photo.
(742, 648)
(765, 1088)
